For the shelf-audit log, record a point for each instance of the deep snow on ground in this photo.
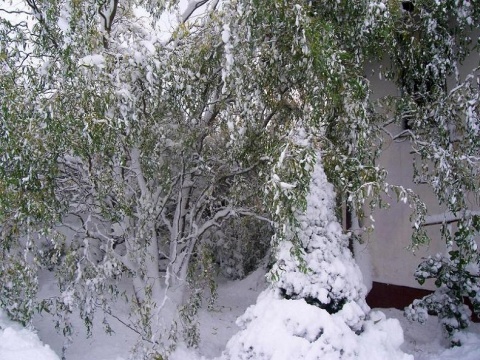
(425, 342)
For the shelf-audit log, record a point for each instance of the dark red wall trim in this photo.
(399, 297)
(396, 296)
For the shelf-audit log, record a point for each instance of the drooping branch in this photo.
(16, 12)
(189, 11)
(191, 8)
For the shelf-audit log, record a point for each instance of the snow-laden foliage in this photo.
(457, 278)
(315, 307)
(438, 109)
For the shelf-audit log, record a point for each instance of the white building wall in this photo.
(388, 245)
(392, 261)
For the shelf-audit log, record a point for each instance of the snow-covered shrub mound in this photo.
(315, 307)
(17, 343)
(279, 329)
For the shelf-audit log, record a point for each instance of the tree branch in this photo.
(191, 8)
(38, 14)
(107, 23)
(447, 218)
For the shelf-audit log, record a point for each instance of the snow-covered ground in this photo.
(425, 342)
(18, 343)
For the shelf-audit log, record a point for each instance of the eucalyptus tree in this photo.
(117, 163)
(111, 136)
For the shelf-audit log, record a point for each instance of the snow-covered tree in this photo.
(324, 274)
(315, 307)
(111, 167)
(111, 136)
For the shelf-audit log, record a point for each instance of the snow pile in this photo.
(316, 307)
(17, 343)
(469, 350)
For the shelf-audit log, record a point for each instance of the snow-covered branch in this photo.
(448, 217)
(192, 6)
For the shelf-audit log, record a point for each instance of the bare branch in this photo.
(107, 23)
(131, 327)
(15, 12)
(193, 6)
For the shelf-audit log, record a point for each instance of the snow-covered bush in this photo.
(324, 273)
(456, 277)
(280, 329)
(315, 307)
